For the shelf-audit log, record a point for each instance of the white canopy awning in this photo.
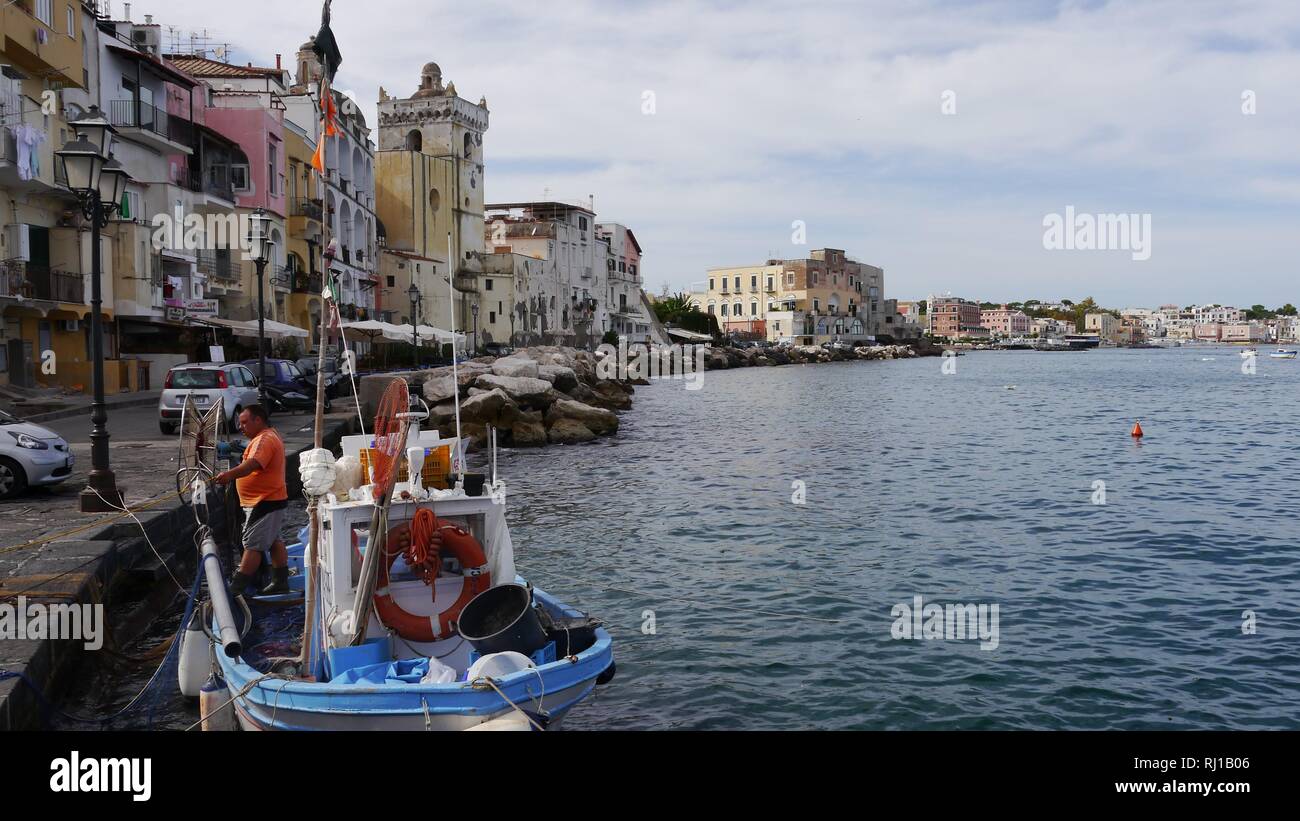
(249, 327)
(378, 331)
(689, 336)
(428, 334)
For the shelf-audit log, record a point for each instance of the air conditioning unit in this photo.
(69, 325)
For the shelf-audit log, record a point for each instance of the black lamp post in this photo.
(473, 309)
(413, 293)
(259, 248)
(98, 181)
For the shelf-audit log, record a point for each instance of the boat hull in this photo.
(552, 690)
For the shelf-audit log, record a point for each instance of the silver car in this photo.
(205, 382)
(30, 455)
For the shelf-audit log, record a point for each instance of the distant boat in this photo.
(1283, 353)
(1249, 354)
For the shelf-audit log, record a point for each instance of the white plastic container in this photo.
(496, 665)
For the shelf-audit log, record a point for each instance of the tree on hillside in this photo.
(1286, 310)
(1259, 312)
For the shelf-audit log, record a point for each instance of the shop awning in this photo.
(271, 328)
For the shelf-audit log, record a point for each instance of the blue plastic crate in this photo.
(373, 651)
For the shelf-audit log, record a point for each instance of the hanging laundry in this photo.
(29, 140)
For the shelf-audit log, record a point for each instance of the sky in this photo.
(934, 139)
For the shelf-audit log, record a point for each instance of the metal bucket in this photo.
(502, 618)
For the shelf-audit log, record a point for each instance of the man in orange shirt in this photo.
(263, 495)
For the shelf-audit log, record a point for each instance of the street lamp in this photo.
(259, 248)
(413, 293)
(473, 309)
(97, 181)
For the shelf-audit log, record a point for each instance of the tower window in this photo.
(414, 140)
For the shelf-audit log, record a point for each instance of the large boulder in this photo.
(561, 376)
(440, 389)
(522, 389)
(485, 407)
(567, 431)
(526, 433)
(598, 420)
(612, 394)
(515, 366)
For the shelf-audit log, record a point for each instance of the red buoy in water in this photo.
(1137, 430)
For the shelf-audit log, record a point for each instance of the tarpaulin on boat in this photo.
(406, 671)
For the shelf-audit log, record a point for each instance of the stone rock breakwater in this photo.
(722, 358)
(535, 396)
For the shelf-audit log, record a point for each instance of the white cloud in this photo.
(830, 113)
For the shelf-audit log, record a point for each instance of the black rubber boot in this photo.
(239, 582)
(279, 582)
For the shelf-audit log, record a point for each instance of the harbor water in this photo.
(750, 545)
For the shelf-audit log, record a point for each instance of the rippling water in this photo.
(771, 614)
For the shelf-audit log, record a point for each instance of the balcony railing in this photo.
(307, 283)
(303, 207)
(139, 114)
(21, 278)
(216, 182)
(280, 275)
(218, 267)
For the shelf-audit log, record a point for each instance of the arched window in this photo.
(414, 140)
(724, 309)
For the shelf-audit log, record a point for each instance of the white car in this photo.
(206, 382)
(30, 455)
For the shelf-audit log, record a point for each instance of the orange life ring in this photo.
(423, 542)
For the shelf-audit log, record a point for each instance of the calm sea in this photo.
(735, 607)
(748, 543)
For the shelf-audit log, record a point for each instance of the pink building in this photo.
(1003, 321)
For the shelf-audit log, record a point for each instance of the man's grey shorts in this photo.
(260, 534)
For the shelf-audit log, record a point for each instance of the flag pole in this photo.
(311, 560)
(455, 378)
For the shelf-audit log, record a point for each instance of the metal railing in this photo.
(139, 114)
(304, 207)
(304, 283)
(219, 267)
(21, 278)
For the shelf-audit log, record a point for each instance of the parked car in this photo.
(286, 387)
(30, 455)
(837, 345)
(233, 383)
(497, 349)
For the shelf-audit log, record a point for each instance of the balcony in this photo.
(141, 122)
(304, 207)
(279, 275)
(218, 267)
(19, 278)
(215, 184)
(307, 283)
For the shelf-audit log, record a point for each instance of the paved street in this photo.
(143, 459)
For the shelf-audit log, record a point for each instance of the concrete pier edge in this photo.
(83, 571)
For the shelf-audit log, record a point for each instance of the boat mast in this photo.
(455, 378)
(311, 560)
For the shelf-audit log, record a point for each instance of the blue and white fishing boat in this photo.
(1283, 353)
(419, 664)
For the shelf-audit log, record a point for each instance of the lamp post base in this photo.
(106, 499)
